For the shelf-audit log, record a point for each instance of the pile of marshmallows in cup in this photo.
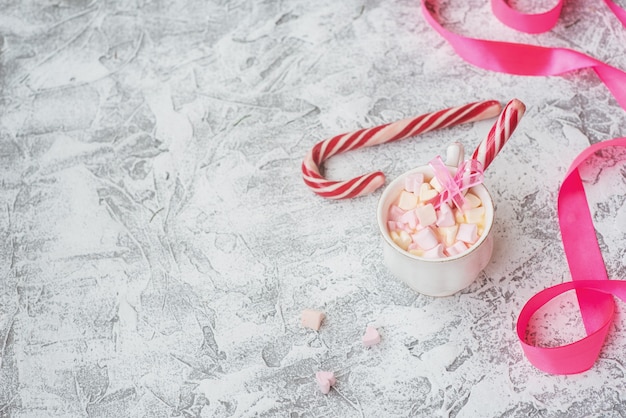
(436, 252)
(417, 227)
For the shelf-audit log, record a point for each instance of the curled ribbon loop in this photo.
(589, 280)
(469, 174)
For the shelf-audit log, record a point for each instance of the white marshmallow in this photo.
(407, 200)
(472, 201)
(426, 215)
(402, 239)
(427, 193)
(475, 216)
(448, 234)
(458, 216)
(436, 185)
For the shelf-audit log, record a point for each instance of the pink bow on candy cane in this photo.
(469, 174)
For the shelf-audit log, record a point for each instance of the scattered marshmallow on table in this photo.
(312, 319)
(417, 227)
(371, 337)
(325, 380)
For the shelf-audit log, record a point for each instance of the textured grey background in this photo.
(157, 243)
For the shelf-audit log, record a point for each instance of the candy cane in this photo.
(499, 133)
(367, 183)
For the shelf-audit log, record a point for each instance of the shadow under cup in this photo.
(435, 277)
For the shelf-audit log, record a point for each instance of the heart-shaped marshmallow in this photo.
(325, 380)
(371, 337)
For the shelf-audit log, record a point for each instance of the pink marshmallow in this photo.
(468, 233)
(456, 249)
(413, 182)
(312, 319)
(425, 238)
(445, 217)
(435, 252)
(398, 226)
(405, 227)
(371, 337)
(395, 213)
(325, 380)
(410, 219)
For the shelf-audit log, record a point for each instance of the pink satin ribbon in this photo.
(524, 59)
(469, 174)
(589, 277)
(590, 280)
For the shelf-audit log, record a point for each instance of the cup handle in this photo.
(455, 154)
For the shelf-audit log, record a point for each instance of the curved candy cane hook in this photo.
(367, 183)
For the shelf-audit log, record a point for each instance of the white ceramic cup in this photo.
(436, 277)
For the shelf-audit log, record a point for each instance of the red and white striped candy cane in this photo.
(367, 183)
(499, 133)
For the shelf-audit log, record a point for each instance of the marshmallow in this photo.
(312, 319)
(371, 337)
(325, 380)
(401, 238)
(395, 213)
(426, 215)
(418, 228)
(426, 239)
(410, 219)
(435, 252)
(458, 216)
(472, 201)
(416, 251)
(413, 182)
(436, 185)
(398, 226)
(475, 216)
(467, 233)
(445, 216)
(407, 200)
(426, 192)
(456, 249)
(448, 234)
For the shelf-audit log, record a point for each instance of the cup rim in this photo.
(383, 227)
